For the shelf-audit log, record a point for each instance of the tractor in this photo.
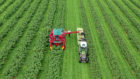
(57, 37)
(82, 46)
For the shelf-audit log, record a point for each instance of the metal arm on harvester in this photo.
(69, 32)
(57, 37)
(72, 32)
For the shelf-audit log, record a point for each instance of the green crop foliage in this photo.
(112, 31)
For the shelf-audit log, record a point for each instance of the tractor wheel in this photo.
(79, 51)
(80, 60)
(87, 60)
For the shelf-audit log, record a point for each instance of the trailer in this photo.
(82, 44)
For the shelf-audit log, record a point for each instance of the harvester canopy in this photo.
(57, 37)
(58, 31)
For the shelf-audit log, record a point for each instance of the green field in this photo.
(112, 29)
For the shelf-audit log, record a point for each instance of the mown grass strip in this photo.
(132, 7)
(122, 20)
(126, 49)
(72, 69)
(94, 25)
(9, 43)
(105, 41)
(128, 28)
(128, 13)
(122, 64)
(94, 65)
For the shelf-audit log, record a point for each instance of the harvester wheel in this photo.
(69, 35)
(80, 60)
(86, 60)
(79, 51)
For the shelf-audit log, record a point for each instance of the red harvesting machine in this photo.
(57, 37)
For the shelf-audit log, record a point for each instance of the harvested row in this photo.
(71, 68)
(103, 65)
(112, 32)
(127, 50)
(94, 65)
(9, 43)
(10, 11)
(128, 13)
(129, 30)
(136, 3)
(132, 7)
(10, 23)
(7, 4)
(107, 44)
(110, 20)
(24, 45)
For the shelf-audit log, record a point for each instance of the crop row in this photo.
(56, 56)
(55, 64)
(6, 5)
(124, 45)
(10, 11)
(10, 23)
(38, 50)
(107, 44)
(104, 67)
(113, 25)
(94, 65)
(136, 3)
(26, 40)
(13, 37)
(128, 13)
(47, 23)
(127, 27)
(132, 7)
(2, 2)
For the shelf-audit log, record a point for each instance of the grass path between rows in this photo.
(105, 72)
(72, 69)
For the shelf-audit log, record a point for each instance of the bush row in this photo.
(132, 7)
(41, 42)
(129, 14)
(105, 45)
(128, 29)
(124, 47)
(25, 43)
(2, 2)
(114, 27)
(10, 23)
(9, 43)
(6, 5)
(56, 55)
(94, 65)
(136, 3)
(10, 11)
